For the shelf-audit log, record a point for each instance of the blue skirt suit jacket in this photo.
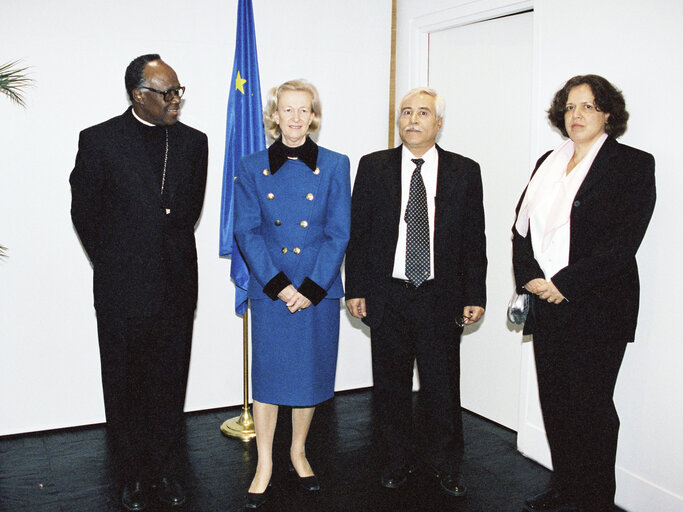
(293, 226)
(295, 221)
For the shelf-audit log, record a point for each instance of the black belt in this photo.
(410, 286)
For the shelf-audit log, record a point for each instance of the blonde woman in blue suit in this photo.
(292, 222)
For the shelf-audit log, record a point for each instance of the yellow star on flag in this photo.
(239, 83)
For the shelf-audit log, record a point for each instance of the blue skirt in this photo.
(294, 356)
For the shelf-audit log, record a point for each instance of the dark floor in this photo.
(67, 470)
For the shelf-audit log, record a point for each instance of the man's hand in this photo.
(472, 314)
(356, 307)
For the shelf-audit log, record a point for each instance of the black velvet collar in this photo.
(278, 154)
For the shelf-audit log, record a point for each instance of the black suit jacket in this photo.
(609, 217)
(459, 238)
(138, 252)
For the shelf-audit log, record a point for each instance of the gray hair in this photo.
(439, 102)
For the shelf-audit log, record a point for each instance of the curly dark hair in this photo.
(608, 99)
(134, 71)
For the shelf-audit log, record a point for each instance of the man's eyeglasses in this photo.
(168, 94)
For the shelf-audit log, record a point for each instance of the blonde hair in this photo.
(272, 128)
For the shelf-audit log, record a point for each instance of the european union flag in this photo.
(243, 135)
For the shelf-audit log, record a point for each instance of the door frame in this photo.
(472, 12)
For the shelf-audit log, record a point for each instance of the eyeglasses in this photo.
(168, 94)
(461, 321)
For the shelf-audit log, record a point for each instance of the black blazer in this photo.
(459, 238)
(138, 252)
(610, 215)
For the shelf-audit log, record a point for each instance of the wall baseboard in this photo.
(636, 494)
(532, 443)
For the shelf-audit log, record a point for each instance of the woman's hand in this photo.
(286, 293)
(545, 290)
(535, 285)
(551, 293)
(293, 299)
(297, 302)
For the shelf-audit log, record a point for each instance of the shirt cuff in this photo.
(312, 291)
(276, 285)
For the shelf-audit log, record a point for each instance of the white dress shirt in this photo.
(549, 218)
(555, 256)
(429, 173)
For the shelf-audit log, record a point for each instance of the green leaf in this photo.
(13, 81)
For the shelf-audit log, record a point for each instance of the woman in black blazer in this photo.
(579, 224)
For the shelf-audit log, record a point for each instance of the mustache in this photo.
(414, 127)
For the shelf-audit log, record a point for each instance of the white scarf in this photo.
(552, 170)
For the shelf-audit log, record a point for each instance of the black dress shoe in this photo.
(307, 483)
(550, 501)
(257, 499)
(135, 496)
(170, 492)
(453, 484)
(393, 478)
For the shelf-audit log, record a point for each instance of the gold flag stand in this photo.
(242, 426)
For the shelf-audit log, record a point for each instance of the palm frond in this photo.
(3, 254)
(12, 82)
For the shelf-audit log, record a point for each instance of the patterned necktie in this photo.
(417, 229)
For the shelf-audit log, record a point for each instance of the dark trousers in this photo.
(576, 382)
(145, 364)
(410, 331)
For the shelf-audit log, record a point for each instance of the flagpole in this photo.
(244, 135)
(242, 426)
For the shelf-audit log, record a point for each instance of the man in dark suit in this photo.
(137, 192)
(416, 274)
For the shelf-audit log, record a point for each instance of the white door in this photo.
(484, 71)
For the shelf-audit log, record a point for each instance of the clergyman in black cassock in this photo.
(137, 193)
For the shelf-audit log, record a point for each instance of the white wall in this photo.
(638, 46)
(78, 50)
